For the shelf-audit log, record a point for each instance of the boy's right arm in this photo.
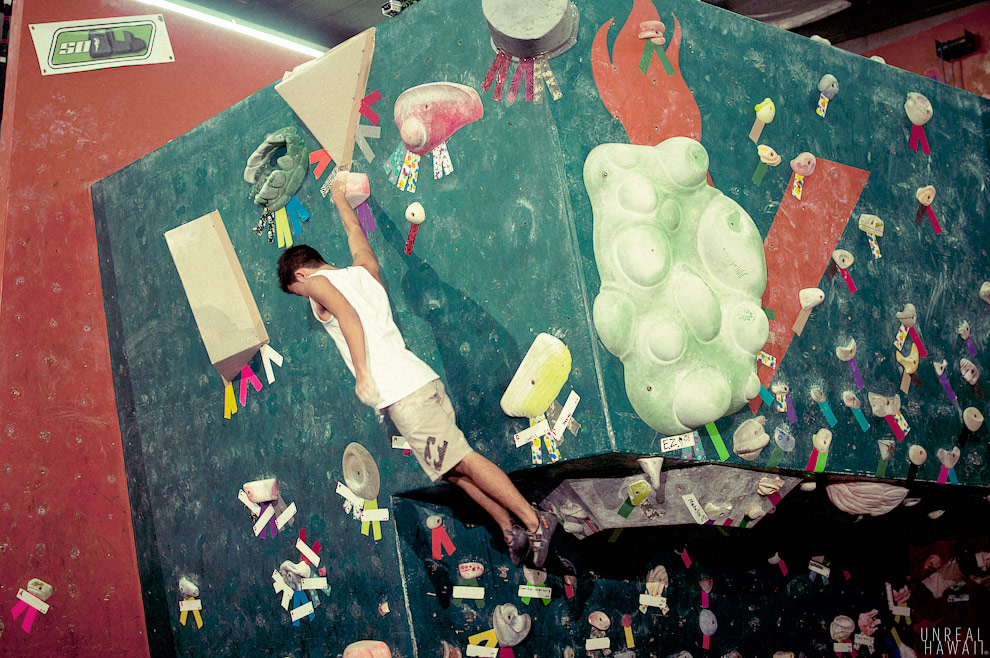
(361, 252)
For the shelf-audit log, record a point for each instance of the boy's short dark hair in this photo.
(301, 255)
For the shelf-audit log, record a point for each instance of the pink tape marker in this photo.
(895, 428)
(933, 219)
(523, 76)
(248, 375)
(29, 615)
(704, 599)
(922, 352)
(316, 548)
(783, 567)
(527, 65)
(686, 559)
(813, 460)
(30, 605)
(847, 277)
(498, 72)
(706, 641)
(774, 498)
(943, 475)
(918, 135)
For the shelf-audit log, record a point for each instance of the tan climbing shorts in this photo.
(426, 420)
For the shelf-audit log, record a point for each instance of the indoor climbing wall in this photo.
(515, 244)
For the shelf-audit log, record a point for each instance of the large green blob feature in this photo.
(682, 274)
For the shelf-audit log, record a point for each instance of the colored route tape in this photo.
(861, 419)
(791, 414)
(719, 444)
(922, 352)
(827, 412)
(775, 457)
(857, 377)
(947, 387)
(644, 61)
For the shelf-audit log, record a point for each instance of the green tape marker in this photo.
(662, 55)
(761, 171)
(644, 62)
(820, 465)
(626, 509)
(775, 457)
(716, 438)
(882, 468)
(615, 535)
(770, 313)
(744, 522)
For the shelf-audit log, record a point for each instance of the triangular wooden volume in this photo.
(326, 94)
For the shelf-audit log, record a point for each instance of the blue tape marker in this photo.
(827, 411)
(766, 395)
(863, 423)
(301, 598)
(296, 206)
(293, 217)
(952, 476)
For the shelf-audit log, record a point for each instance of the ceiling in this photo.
(328, 22)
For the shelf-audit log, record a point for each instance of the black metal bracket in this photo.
(957, 48)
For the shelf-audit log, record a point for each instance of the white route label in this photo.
(380, 514)
(565, 416)
(301, 611)
(262, 521)
(595, 643)
(677, 442)
(285, 516)
(313, 583)
(536, 431)
(355, 499)
(33, 601)
(697, 511)
(534, 591)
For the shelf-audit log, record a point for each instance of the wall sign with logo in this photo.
(71, 46)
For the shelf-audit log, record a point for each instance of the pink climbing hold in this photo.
(427, 115)
(367, 649)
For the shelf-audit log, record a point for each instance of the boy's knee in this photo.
(462, 467)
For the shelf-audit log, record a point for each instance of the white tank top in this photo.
(397, 371)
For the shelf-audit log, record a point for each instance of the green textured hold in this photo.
(682, 274)
(272, 185)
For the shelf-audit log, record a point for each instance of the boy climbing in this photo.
(353, 307)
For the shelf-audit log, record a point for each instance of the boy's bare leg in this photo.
(493, 484)
(496, 511)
